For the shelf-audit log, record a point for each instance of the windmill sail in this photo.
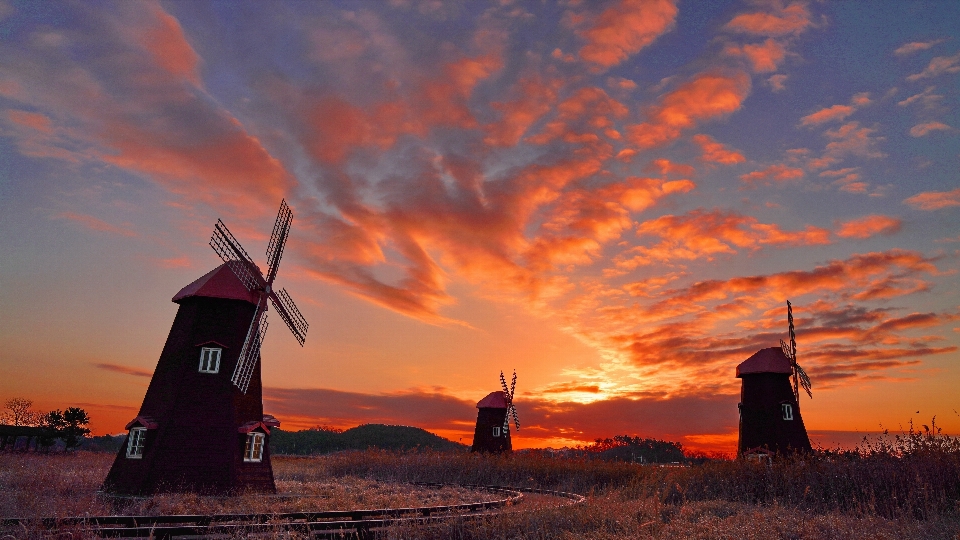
(250, 352)
(800, 377)
(290, 314)
(229, 249)
(511, 410)
(278, 239)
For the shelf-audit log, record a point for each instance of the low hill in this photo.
(324, 441)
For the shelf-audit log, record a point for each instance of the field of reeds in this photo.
(902, 487)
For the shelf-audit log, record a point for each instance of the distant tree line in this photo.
(324, 440)
(627, 448)
(68, 425)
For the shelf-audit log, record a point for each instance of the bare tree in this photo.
(20, 414)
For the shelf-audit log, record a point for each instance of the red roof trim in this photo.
(270, 420)
(144, 421)
(769, 360)
(494, 400)
(253, 425)
(220, 282)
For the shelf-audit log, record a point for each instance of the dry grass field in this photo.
(905, 488)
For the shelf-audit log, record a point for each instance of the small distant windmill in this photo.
(769, 405)
(198, 429)
(492, 433)
(790, 351)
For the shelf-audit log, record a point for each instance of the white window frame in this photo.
(135, 441)
(210, 359)
(787, 411)
(496, 431)
(256, 444)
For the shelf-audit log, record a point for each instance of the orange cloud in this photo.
(578, 117)
(920, 130)
(764, 57)
(666, 167)
(536, 99)
(934, 200)
(625, 28)
(792, 19)
(868, 226)
(778, 172)
(717, 152)
(707, 96)
(837, 112)
(165, 40)
(703, 234)
(95, 224)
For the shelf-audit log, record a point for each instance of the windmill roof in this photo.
(220, 282)
(769, 360)
(494, 400)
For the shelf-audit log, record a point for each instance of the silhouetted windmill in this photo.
(198, 429)
(492, 433)
(769, 405)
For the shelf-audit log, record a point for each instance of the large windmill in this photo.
(492, 433)
(769, 405)
(201, 426)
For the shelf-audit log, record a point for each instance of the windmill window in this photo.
(254, 449)
(787, 411)
(135, 442)
(496, 431)
(209, 360)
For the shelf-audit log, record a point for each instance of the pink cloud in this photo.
(938, 66)
(868, 226)
(167, 43)
(934, 200)
(764, 57)
(126, 370)
(95, 224)
(776, 82)
(780, 21)
(624, 28)
(716, 152)
(837, 112)
(916, 46)
(778, 173)
(925, 128)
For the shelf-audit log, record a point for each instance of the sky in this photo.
(616, 199)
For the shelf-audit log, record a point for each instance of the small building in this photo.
(490, 434)
(770, 419)
(196, 431)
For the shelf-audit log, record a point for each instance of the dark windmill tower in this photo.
(770, 418)
(201, 427)
(492, 433)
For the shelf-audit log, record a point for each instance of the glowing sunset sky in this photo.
(614, 198)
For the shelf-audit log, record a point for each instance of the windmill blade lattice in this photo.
(278, 239)
(508, 394)
(290, 314)
(229, 249)
(241, 264)
(251, 351)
